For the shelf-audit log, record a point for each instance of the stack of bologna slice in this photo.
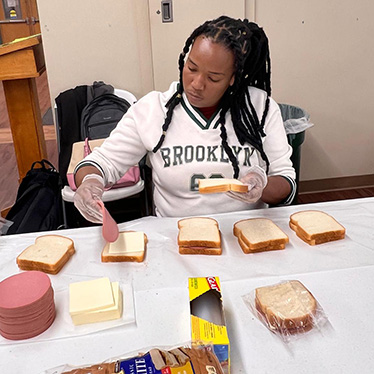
(27, 305)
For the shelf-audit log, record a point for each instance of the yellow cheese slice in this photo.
(90, 295)
(127, 242)
(106, 314)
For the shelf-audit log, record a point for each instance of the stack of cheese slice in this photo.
(95, 300)
(27, 305)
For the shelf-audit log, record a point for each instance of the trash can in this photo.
(296, 121)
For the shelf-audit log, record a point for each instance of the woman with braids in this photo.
(217, 121)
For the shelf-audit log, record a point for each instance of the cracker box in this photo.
(208, 324)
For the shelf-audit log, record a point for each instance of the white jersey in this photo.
(191, 150)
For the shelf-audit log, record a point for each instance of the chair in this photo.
(136, 204)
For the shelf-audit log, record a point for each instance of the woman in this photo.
(218, 121)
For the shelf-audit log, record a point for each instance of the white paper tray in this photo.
(63, 326)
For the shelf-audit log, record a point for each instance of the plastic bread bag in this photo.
(288, 309)
(197, 360)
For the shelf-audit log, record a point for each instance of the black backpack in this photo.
(38, 205)
(101, 115)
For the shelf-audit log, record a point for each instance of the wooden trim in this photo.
(5, 211)
(336, 184)
(48, 130)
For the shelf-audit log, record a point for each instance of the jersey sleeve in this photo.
(278, 150)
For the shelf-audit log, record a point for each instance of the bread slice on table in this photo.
(129, 247)
(287, 306)
(215, 185)
(49, 254)
(259, 234)
(316, 227)
(199, 235)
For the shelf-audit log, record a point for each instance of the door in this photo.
(181, 17)
(18, 18)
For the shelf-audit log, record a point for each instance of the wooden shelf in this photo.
(22, 59)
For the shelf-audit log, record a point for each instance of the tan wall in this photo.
(90, 40)
(322, 53)
(322, 60)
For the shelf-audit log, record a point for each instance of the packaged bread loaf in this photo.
(197, 360)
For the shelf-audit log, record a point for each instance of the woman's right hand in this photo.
(87, 196)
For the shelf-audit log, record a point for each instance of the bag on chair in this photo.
(81, 149)
(38, 205)
(101, 115)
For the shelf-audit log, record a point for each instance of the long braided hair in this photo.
(249, 45)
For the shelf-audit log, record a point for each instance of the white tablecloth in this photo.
(340, 275)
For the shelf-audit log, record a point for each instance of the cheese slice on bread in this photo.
(199, 235)
(259, 234)
(215, 185)
(287, 306)
(316, 227)
(129, 247)
(49, 254)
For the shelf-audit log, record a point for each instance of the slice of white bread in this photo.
(316, 227)
(49, 254)
(214, 185)
(129, 247)
(287, 306)
(199, 235)
(259, 234)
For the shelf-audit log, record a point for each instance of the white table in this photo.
(340, 275)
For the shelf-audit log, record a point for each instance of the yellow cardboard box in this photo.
(208, 325)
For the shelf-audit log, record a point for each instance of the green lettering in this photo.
(248, 152)
(194, 186)
(188, 156)
(211, 155)
(200, 153)
(223, 156)
(178, 151)
(165, 154)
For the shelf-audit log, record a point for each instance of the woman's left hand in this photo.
(256, 181)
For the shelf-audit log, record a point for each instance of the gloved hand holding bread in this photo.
(87, 196)
(256, 181)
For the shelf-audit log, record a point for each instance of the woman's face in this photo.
(208, 72)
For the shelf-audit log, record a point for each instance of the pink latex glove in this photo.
(87, 196)
(256, 181)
